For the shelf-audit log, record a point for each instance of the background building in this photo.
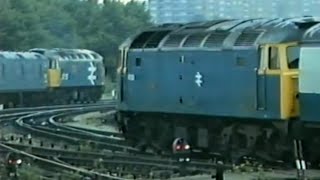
(123, 1)
(168, 11)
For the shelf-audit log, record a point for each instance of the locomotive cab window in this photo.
(273, 58)
(293, 55)
(53, 64)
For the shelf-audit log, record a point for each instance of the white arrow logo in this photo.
(92, 69)
(198, 80)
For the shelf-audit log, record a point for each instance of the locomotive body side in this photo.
(219, 73)
(23, 78)
(81, 73)
(23, 72)
(84, 78)
(309, 83)
(212, 83)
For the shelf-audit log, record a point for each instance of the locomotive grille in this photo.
(154, 41)
(215, 40)
(140, 40)
(247, 39)
(174, 40)
(194, 40)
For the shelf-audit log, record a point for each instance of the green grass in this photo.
(30, 172)
(34, 173)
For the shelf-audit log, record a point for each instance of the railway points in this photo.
(119, 163)
(265, 175)
(37, 139)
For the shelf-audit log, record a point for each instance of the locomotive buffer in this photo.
(12, 163)
(181, 151)
(300, 163)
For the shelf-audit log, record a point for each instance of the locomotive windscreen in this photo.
(309, 67)
(293, 53)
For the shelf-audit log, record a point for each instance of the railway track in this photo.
(16, 117)
(73, 136)
(255, 163)
(59, 147)
(107, 152)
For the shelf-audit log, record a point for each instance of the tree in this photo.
(103, 29)
(70, 24)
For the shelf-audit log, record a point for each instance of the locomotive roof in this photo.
(70, 54)
(21, 55)
(227, 33)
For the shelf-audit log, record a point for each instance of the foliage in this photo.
(30, 172)
(70, 24)
(35, 172)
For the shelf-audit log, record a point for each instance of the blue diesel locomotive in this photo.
(50, 76)
(224, 85)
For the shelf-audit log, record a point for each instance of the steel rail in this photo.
(59, 165)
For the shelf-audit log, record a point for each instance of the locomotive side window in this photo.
(273, 56)
(293, 54)
(240, 61)
(138, 62)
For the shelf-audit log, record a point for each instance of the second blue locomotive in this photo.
(50, 76)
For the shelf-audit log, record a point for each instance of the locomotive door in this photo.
(268, 81)
(261, 90)
(54, 73)
(122, 69)
(277, 81)
(261, 85)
